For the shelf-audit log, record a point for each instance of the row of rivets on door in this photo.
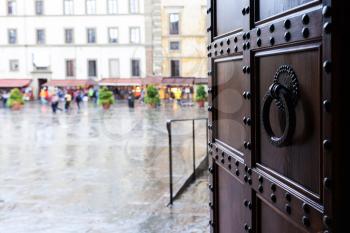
(247, 176)
(287, 35)
(227, 161)
(305, 219)
(273, 197)
(210, 184)
(246, 10)
(246, 44)
(327, 67)
(219, 47)
(211, 205)
(287, 199)
(247, 96)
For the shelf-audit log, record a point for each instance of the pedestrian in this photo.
(91, 93)
(43, 96)
(68, 100)
(78, 98)
(131, 100)
(142, 96)
(5, 96)
(47, 95)
(95, 95)
(60, 94)
(54, 103)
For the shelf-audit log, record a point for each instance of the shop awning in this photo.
(13, 83)
(119, 82)
(71, 83)
(152, 80)
(203, 81)
(181, 81)
(165, 81)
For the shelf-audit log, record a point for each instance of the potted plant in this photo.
(105, 98)
(152, 96)
(201, 96)
(15, 100)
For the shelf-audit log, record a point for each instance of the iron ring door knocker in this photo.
(284, 93)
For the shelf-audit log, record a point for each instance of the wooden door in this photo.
(269, 116)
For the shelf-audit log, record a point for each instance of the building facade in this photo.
(184, 38)
(74, 39)
(47, 40)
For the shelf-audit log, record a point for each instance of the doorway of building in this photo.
(41, 82)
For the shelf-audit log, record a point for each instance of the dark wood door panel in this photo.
(230, 104)
(228, 16)
(270, 221)
(301, 160)
(268, 8)
(230, 203)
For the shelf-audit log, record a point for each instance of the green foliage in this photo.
(152, 96)
(201, 94)
(105, 96)
(16, 97)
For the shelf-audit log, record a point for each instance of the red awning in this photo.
(121, 82)
(13, 83)
(71, 83)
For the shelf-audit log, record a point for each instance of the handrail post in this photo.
(194, 148)
(168, 125)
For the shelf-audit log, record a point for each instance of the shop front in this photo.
(122, 87)
(6, 85)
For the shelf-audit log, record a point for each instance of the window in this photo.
(114, 68)
(174, 45)
(135, 67)
(174, 24)
(14, 66)
(90, 7)
(40, 36)
(68, 7)
(91, 35)
(69, 36)
(12, 36)
(113, 35)
(135, 35)
(39, 7)
(134, 6)
(70, 68)
(175, 68)
(112, 6)
(11, 7)
(92, 68)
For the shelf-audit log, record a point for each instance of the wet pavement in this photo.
(98, 171)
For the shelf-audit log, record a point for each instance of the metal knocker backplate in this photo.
(284, 92)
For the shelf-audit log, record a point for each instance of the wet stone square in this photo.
(95, 171)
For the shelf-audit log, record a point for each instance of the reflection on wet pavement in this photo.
(95, 172)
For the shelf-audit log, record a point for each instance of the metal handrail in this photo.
(168, 124)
